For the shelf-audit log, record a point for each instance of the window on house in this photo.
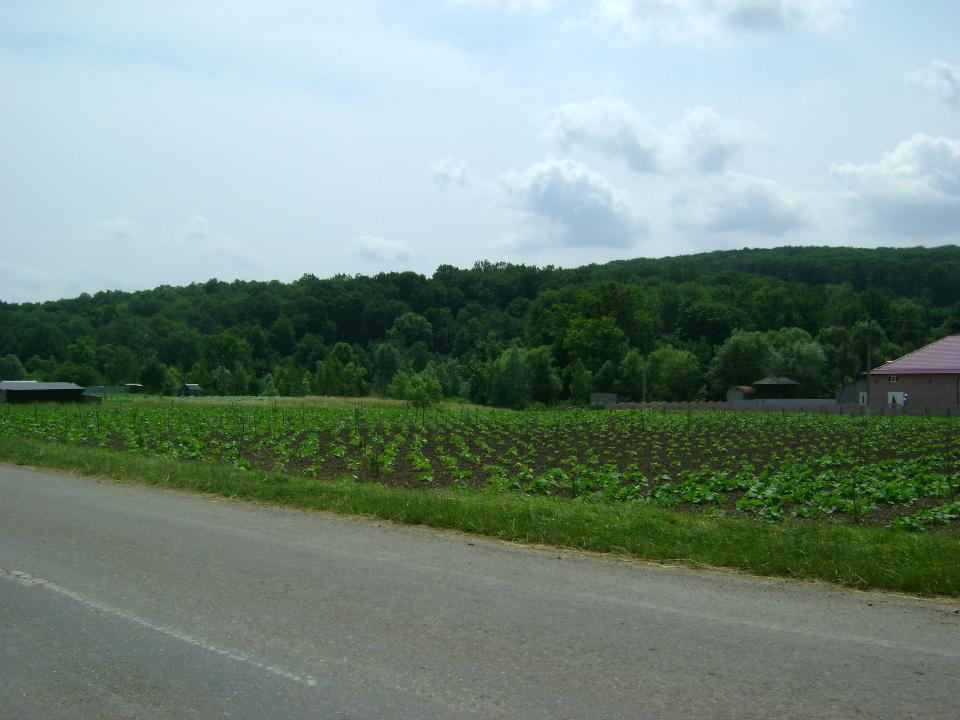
(894, 378)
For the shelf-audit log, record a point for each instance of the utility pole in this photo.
(869, 366)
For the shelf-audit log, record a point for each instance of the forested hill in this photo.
(513, 335)
(932, 273)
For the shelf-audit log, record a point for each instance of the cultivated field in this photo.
(894, 471)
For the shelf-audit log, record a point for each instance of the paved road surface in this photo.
(130, 602)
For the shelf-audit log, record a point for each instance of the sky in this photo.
(164, 143)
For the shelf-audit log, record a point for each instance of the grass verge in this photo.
(862, 557)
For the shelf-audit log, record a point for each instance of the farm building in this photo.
(599, 401)
(776, 388)
(189, 390)
(30, 391)
(740, 393)
(769, 388)
(928, 377)
(854, 392)
(114, 389)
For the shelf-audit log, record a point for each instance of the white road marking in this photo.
(25, 579)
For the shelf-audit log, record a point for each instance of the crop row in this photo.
(900, 471)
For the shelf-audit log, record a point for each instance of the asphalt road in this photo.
(120, 601)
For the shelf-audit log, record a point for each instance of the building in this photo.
(600, 401)
(189, 390)
(855, 391)
(114, 389)
(30, 391)
(740, 394)
(776, 388)
(927, 378)
(769, 388)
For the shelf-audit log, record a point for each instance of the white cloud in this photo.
(692, 21)
(719, 20)
(196, 240)
(119, 228)
(940, 79)
(913, 191)
(110, 239)
(450, 172)
(706, 140)
(610, 127)
(376, 248)
(732, 202)
(21, 283)
(510, 6)
(702, 139)
(580, 207)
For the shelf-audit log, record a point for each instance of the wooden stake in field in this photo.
(240, 439)
(950, 447)
(853, 476)
(856, 515)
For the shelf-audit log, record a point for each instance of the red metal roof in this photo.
(939, 358)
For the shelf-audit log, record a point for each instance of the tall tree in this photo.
(674, 375)
(11, 368)
(509, 382)
(744, 358)
(545, 383)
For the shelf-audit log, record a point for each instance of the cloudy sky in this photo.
(157, 143)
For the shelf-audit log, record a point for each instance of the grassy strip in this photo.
(863, 557)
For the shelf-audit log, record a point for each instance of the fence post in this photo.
(950, 473)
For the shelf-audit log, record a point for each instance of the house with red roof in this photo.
(928, 377)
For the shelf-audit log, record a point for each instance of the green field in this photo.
(865, 501)
(896, 470)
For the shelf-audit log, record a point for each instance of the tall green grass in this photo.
(862, 557)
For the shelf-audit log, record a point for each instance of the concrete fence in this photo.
(794, 406)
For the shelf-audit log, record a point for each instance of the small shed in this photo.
(776, 388)
(189, 390)
(740, 393)
(31, 391)
(599, 401)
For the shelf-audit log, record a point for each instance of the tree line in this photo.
(510, 335)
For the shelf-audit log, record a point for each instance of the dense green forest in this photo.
(679, 328)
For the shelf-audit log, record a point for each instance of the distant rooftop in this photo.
(34, 385)
(939, 358)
